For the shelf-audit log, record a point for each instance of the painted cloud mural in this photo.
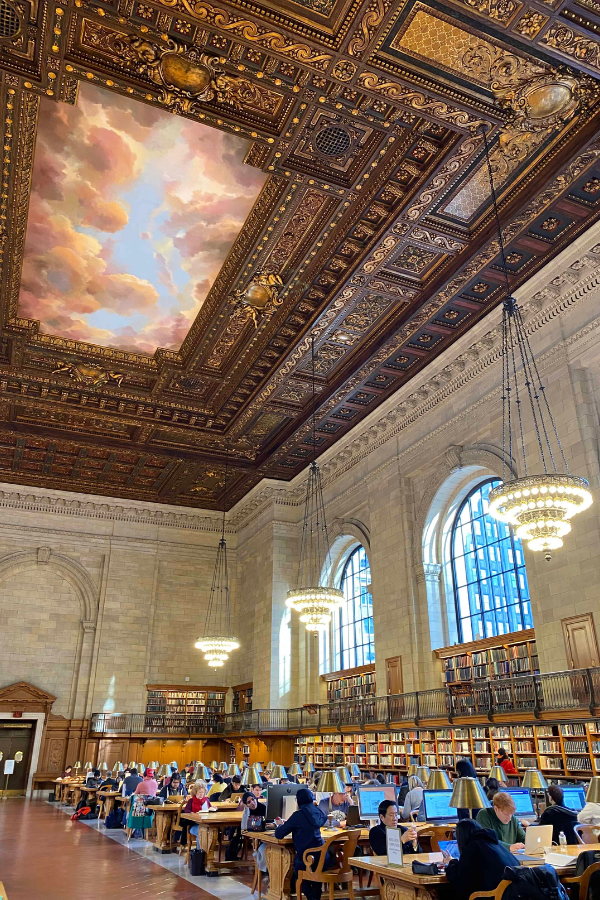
(133, 211)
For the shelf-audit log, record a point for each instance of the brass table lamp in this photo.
(344, 775)
(499, 774)
(438, 781)
(251, 777)
(467, 793)
(278, 772)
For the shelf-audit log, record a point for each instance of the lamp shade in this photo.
(271, 765)
(201, 773)
(88, 766)
(140, 768)
(438, 781)
(77, 766)
(344, 775)
(103, 767)
(278, 772)
(154, 764)
(118, 767)
(499, 774)
(164, 771)
(413, 769)
(593, 793)
(174, 764)
(329, 783)
(534, 780)
(355, 771)
(232, 770)
(251, 777)
(214, 764)
(423, 773)
(223, 767)
(294, 769)
(467, 793)
(257, 766)
(308, 769)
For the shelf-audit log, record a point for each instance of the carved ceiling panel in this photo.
(191, 190)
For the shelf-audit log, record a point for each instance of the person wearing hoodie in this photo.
(482, 860)
(559, 816)
(305, 827)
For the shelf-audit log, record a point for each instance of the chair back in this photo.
(497, 894)
(344, 841)
(439, 833)
(586, 834)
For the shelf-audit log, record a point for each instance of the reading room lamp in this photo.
(308, 769)
(467, 793)
(423, 773)
(278, 772)
(257, 766)
(438, 781)
(233, 770)
(223, 767)
(344, 775)
(201, 773)
(294, 769)
(214, 765)
(355, 771)
(412, 769)
(271, 765)
(251, 777)
(499, 774)
(329, 783)
(593, 791)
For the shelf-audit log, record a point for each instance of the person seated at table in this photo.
(236, 788)
(175, 787)
(148, 785)
(491, 788)
(501, 819)
(413, 802)
(506, 762)
(130, 782)
(589, 815)
(559, 816)
(254, 810)
(483, 859)
(218, 786)
(336, 805)
(464, 769)
(197, 802)
(258, 791)
(93, 779)
(388, 818)
(305, 827)
(110, 782)
(68, 773)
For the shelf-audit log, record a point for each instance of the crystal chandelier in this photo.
(538, 507)
(314, 602)
(217, 642)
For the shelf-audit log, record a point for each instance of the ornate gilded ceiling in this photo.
(220, 181)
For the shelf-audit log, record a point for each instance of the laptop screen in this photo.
(437, 807)
(369, 799)
(522, 798)
(450, 847)
(573, 797)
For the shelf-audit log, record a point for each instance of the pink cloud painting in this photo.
(133, 211)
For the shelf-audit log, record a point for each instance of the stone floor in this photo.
(46, 856)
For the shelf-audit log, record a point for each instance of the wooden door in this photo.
(13, 737)
(393, 675)
(580, 641)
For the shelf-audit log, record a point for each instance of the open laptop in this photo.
(450, 847)
(536, 838)
(523, 802)
(573, 797)
(437, 806)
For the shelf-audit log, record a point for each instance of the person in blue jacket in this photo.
(305, 827)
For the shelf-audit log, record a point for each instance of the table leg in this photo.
(109, 802)
(280, 866)
(208, 837)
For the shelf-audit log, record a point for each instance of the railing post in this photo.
(590, 681)
(537, 683)
(491, 709)
(417, 710)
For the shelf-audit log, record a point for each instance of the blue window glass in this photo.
(488, 568)
(353, 641)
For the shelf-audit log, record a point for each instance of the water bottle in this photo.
(562, 840)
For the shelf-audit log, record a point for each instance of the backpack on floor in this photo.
(197, 862)
(83, 811)
(115, 818)
(92, 814)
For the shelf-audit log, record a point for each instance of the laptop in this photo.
(437, 806)
(573, 797)
(536, 838)
(353, 819)
(450, 847)
(523, 802)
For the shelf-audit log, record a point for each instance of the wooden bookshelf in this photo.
(561, 751)
(506, 656)
(242, 697)
(350, 684)
(184, 700)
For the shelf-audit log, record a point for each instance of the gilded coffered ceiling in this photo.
(191, 190)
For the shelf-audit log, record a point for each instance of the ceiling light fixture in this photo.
(217, 642)
(538, 507)
(314, 602)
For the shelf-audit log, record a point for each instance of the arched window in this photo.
(285, 653)
(488, 570)
(353, 643)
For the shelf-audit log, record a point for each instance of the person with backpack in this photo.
(559, 816)
(130, 782)
(305, 827)
(482, 860)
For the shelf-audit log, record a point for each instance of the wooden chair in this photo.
(586, 834)
(582, 880)
(257, 882)
(496, 895)
(439, 833)
(342, 846)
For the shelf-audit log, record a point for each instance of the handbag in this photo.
(197, 862)
(255, 823)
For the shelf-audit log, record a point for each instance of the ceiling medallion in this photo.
(88, 374)
(260, 293)
(537, 506)
(187, 76)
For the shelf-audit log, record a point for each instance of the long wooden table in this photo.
(163, 822)
(209, 828)
(399, 883)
